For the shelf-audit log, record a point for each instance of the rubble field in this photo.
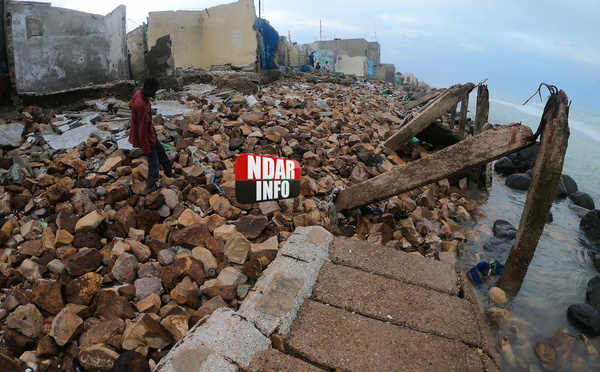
(96, 272)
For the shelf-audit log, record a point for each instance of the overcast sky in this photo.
(516, 44)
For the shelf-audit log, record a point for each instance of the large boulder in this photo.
(504, 229)
(592, 294)
(525, 159)
(561, 190)
(570, 184)
(519, 181)
(582, 199)
(505, 166)
(585, 318)
(590, 224)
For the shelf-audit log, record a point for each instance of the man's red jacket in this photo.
(141, 130)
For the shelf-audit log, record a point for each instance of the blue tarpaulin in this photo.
(371, 70)
(270, 42)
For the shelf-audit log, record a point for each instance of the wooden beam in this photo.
(546, 176)
(428, 115)
(489, 145)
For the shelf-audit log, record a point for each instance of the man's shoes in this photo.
(175, 175)
(154, 187)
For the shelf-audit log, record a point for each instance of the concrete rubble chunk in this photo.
(202, 350)
(11, 134)
(71, 138)
(278, 294)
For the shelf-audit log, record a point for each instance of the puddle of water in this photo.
(557, 276)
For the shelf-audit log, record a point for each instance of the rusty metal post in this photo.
(546, 176)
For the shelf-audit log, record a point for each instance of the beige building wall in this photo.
(357, 66)
(218, 35)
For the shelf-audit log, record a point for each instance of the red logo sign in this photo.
(264, 178)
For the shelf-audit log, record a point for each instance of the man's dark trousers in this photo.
(158, 155)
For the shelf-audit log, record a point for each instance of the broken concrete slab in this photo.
(171, 108)
(413, 126)
(288, 281)
(222, 341)
(337, 338)
(71, 138)
(391, 263)
(471, 152)
(11, 134)
(414, 307)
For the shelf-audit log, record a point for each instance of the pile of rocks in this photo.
(97, 272)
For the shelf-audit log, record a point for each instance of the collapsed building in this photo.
(46, 49)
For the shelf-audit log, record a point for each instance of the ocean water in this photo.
(559, 272)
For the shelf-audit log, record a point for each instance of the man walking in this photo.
(143, 135)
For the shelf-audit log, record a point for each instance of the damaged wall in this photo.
(219, 35)
(386, 72)
(357, 66)
(137, 46)
(55, 49)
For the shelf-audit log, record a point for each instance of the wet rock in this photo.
(18, 343)
(590, 224)
(504, 230)
(66, 326)
(586, 318)
(48, 297)
(81, 290)
(144, 287)
(546, 354)
(498, 316)
(98, 358)
(582, 199)
(570, 185)
(131, 361)
(561, 190)
(498, 296)
(84, 261)
(592, 294)
(237, 248)
(519, 181)
(145, 330)
(192, 236)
